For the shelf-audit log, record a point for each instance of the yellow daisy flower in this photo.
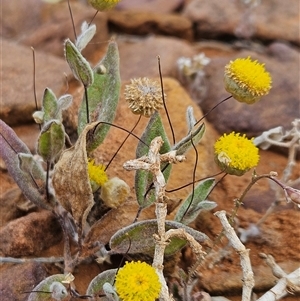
(236, 154)
(137, 281)
(96, 173)
(247, 80)
(103, 5)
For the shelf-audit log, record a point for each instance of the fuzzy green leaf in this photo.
(43, 291)
(27, 173)
(29, 165)
(95, 287)
(190, 118)
(51, 140)
(138, 238)
(63, 103)
(80, 67)
(52, 107)
(205, 205)
(103, 97)
(87, 33)
(143, 178)
(49, 105)
(188, 211)
(185, 144)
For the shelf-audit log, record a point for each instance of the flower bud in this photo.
(103, 5)
(38, 117)
(293, 195)
(114, 192)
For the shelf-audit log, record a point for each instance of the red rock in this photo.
(145, 63)
(29, 235)
(19, 279)
(14, 205)
(46, 26)
(28, 133)
(143, 23)
(150, 6)
(269, 20)
(18, 103)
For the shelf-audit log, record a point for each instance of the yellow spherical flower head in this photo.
(97, 174)
(137, 281)
(236, 154)
(103, 5)
(144, 96)
(247, 80)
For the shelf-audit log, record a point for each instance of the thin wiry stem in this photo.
(220, 180)
(212, 109)
(121, 145)
(34, 82)
(239, 201)
(93, 17)
(47, 181)
(164, 101)
(123, 258)
(138, 214)
(87, 104)
(121, 128)
(194, 177)
(196, 181)
(72, 20)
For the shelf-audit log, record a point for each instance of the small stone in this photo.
(150, 6)
(46, 25)
(145, 64)
(17, 104)
(13, 205)
(29, 235)
(269, 20)
(143, 23)
(18, 279)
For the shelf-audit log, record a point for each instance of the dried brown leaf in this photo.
(71, 180)
(111, 222)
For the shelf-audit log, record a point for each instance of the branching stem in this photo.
(248, 278)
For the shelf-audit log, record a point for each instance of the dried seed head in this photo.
(144, 96)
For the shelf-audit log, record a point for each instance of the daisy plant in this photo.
(67, 178)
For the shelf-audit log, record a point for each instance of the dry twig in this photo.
(248, 278)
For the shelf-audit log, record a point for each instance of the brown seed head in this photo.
(144, 96)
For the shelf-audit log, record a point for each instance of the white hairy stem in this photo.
(248, 279)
